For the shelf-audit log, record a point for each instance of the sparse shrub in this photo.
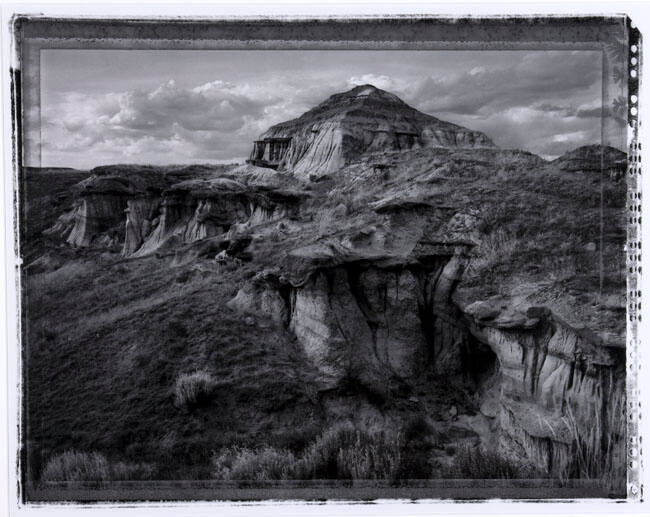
(241, 463)
(341, 452)
(194, 388)
(345, 452)
(378, 459)
(495, 248)
(597, 454)
(79, 466)
(76, 466)
(325, 219)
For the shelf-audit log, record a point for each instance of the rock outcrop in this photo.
(553, 392)
(373, 319)
(561, 391)
(350, 124)
(97, 217)
(143, 214)
(192, 211)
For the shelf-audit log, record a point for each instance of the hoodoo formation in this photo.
(350, 124)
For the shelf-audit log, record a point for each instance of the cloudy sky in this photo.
(161, 107)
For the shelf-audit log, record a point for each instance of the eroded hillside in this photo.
(446, 300)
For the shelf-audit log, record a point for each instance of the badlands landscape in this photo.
(374, 294)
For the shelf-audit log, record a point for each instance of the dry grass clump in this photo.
(496, 248)
(477, 463)
(598, 452)
(341, 452)
(76, 466)
(345, 452)
(122, 471)
(241, 463)
(326, 219)
(195, 388)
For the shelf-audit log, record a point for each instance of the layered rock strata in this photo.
(554, 393)
(376, 320)
(144, 220)
(350, 124)
(561, 389)
(97, 216)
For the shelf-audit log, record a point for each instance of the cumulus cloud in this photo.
(384, 82)
(527, 81)
(540, 101)
(544, 103)
(211, 122)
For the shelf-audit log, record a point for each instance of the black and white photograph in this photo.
(348, 259)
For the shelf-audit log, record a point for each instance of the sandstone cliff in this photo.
(97, 216)
(374, 318)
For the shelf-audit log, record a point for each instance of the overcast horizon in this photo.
(178, 106)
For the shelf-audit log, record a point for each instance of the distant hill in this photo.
(31, 170)
(593, 158)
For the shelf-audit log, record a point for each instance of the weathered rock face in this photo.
(191, 212)
(140, 213)
(348, 125)
(372, 321)
(185, 218)
(119, 212)
(556, 385)
(553, 392)
(97, 218)
(94, 215)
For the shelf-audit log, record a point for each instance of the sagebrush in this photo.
(74, 465)
(477, 463)
(82, 466)
(341, 452)
(194, 388)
